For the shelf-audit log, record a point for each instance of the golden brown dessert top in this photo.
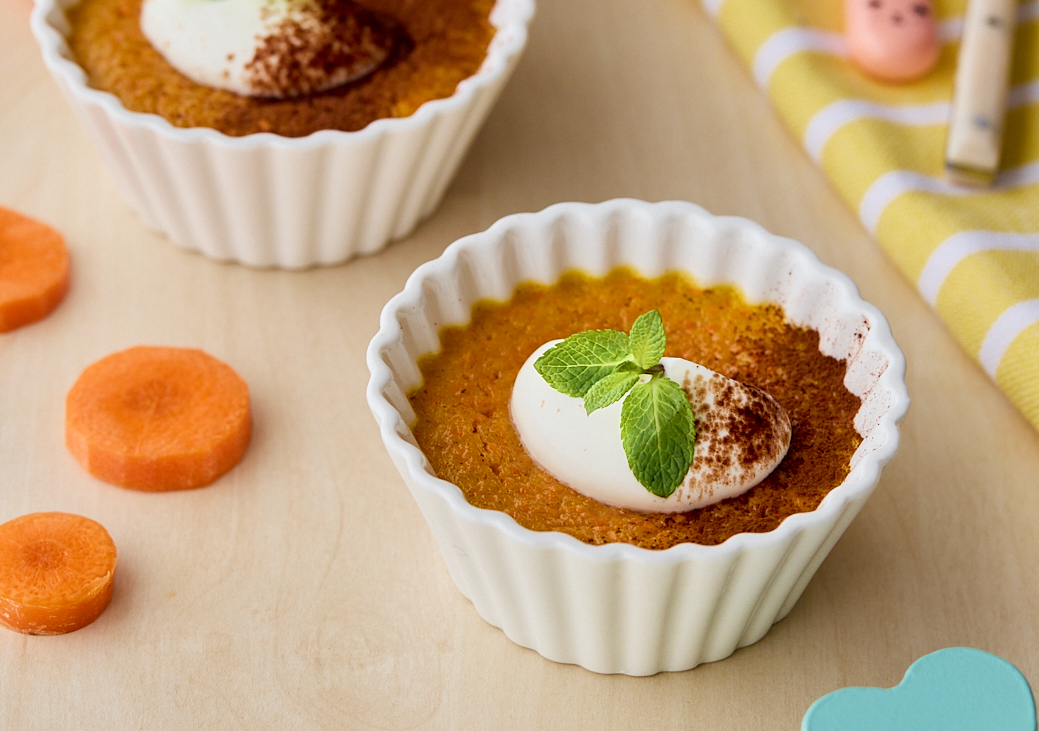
(443, 43)
(465, 430)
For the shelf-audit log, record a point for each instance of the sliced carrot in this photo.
(34, 270)
(56, 573)
(152, 418)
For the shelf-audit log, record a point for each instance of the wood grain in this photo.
(303, 589)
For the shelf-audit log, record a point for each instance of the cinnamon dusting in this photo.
(321, 45)
(735, 436)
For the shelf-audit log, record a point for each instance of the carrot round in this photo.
(34, 270)
(56, 573)
(153, 418)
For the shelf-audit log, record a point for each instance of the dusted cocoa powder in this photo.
(333, 42)
(464, 428)
(439, 44)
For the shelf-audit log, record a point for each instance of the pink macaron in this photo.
(892, 40)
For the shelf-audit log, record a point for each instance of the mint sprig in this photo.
(577, 363)
(658, 430)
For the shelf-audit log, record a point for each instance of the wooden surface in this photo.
(303, 590)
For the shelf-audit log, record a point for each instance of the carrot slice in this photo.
(153, 418)
(56, 573)
(34, 270)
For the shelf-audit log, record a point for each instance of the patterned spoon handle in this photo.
(979, 103)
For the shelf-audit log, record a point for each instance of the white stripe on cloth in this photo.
(713, 7)
(1004, 332)
(891, 185)
(944, 259)
(831, 118)
(788, 42)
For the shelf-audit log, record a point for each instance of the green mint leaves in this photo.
(657, 425)
(574, 366)
(611, 389)
(648, 340)
(657, 431)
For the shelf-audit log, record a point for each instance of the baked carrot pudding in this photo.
(468, 430)
(312, 64)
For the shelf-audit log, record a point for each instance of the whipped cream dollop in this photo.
(742, 434)
(268, 48)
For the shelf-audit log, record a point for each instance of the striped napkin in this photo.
(973, 254)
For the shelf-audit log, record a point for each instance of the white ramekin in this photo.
(266, 200)
(618, 608)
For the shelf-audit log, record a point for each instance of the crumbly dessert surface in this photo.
(441, 42)
(465, 430)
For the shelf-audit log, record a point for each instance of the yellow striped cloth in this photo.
(974, 255)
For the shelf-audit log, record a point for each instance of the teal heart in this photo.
(956, 689)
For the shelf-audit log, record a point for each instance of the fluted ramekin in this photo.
(266, 200)
(618, 608)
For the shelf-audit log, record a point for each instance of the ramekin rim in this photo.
(496, 62)
(861, 479)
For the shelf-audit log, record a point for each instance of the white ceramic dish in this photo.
(266, 200)
(618, 608)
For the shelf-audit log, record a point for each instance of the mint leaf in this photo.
(609, 389)
(657, 430)
(648, 339)
(575, 364)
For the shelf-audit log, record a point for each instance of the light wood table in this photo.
(304, 590)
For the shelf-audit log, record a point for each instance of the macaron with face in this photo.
(892, 40)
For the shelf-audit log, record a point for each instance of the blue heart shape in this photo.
(956, 689)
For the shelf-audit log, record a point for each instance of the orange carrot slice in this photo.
(34, 270)
(152, 418)
(56, 573)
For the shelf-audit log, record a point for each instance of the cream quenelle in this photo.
(268, 48)
(742, 434)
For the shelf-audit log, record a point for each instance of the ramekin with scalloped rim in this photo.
(266, 200)
(618, 608)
